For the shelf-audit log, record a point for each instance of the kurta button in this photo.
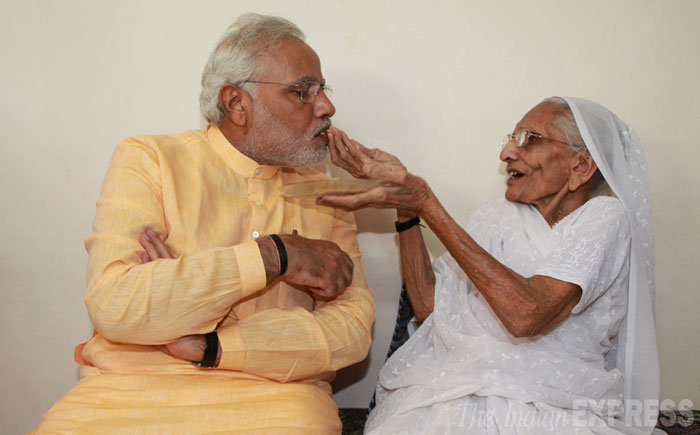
(256, 234)
(258, 203)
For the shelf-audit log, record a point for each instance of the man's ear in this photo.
(234, 102)
(582, 169)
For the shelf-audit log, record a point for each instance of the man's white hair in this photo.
(234, 58)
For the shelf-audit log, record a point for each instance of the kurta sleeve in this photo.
(593, 252)
(162, 300)
(293, 344)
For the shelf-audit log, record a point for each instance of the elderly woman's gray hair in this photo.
(566, 124)
(234, 58)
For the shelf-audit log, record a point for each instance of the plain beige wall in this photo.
(437, 83)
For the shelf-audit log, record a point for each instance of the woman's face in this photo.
(539, 170)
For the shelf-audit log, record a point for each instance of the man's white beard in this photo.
(270, 142)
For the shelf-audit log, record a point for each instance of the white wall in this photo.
(437, 84)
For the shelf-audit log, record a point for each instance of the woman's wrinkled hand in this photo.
(362, 162)
(398, 188)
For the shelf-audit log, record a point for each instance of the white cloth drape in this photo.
(618, 152)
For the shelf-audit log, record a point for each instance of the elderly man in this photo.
(218, 304)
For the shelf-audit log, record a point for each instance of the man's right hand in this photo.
(320, 265)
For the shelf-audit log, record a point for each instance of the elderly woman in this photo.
(539, 317)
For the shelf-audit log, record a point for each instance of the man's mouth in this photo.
(323, 130)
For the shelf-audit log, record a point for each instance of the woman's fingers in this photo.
(368, 152)
(362, 162)
(332, 148)
(353, 150)
(345, 153)
(376, 197)
(347, 202)
(375, 163)
(338, 153)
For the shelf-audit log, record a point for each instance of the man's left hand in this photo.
(189, 347)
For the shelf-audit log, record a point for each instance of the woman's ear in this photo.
(233, 101)
(582, 169)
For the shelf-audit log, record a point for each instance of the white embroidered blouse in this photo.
(462, 353)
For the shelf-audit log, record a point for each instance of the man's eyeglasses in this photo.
(524, 137)
(307, 91)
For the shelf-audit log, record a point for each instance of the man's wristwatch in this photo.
(211, 350)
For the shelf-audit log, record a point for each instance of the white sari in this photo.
(462, 372)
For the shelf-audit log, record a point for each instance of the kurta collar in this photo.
(238, 161)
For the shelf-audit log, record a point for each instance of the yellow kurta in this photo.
(280, 346)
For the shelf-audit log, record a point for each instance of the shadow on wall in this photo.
(367, 123)
(352, 374)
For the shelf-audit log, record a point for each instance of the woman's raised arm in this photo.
(526, 306)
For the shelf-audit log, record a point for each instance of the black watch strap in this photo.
(403, 226)
(282, 251)
(211, 350)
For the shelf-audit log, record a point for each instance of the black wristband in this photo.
(211, 350)
(403, 226)
(282, 251)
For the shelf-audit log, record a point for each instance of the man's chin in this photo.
(309, 156)
(320, 139)
(318, 156)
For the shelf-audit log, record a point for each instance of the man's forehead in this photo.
(307, 79)
(293, 61)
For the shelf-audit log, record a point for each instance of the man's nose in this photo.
(323, 108)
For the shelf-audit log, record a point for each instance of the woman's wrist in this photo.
(431, 207)
(403, 215)
(423, 194)
(420, 195)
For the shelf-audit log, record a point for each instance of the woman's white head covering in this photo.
(618, 153)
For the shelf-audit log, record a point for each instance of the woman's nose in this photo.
(509, 151)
